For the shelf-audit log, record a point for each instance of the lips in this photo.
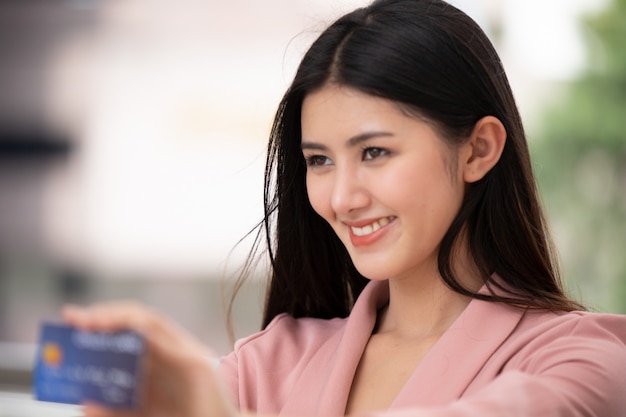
(368, 233)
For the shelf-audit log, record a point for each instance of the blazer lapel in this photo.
(336, 363)
(458, 356)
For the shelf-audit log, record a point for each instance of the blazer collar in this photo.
(442, 376)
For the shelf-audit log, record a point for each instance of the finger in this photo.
(159, 332)
(174, 347)
(110, 316)
(75, 316)
(95, 410)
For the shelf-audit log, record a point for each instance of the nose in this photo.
(349, 192)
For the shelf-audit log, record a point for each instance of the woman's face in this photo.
(386, 182)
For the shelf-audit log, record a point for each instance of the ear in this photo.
(483, 149)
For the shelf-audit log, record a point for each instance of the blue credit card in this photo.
(75, 367)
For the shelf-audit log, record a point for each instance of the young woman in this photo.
(398, 176)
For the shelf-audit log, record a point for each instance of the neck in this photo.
(422, 306)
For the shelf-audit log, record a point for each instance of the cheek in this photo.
(404, 185)
(424, 185)
(319, 197)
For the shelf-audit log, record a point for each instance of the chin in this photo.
(373, 274)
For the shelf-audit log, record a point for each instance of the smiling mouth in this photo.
(372, 227)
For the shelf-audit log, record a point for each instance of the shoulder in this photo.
(585, 325)
(287, 336)
(564, 359)
(262, 369)
(296, 342)
(298, 337)
(544, 339)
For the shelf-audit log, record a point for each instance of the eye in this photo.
(317, 160)
(372, 153)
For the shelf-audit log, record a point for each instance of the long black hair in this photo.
(432, 58)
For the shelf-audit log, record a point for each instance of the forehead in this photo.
(343, 108)
(349, 100)
(337, 111)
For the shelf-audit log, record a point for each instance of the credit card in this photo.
(74, 366)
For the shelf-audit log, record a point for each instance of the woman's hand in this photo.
(178, 379)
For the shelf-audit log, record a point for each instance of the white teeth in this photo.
(370, 228)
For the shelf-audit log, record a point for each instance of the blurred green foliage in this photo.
(580, 161)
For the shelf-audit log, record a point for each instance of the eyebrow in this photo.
(353, 141)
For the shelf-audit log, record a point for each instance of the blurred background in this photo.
(132, 140)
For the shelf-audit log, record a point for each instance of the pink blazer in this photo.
(495, 360)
